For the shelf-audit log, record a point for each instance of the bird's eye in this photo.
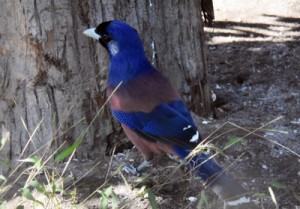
(106, 38)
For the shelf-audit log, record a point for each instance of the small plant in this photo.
(152, 199)
(144, 192)
(107, 195)
(276, 184)
(43, 194)
(202, 200)
(3, 141)
(28, 195)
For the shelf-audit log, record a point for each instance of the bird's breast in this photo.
(142, 94)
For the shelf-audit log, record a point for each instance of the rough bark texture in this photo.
(50, 81)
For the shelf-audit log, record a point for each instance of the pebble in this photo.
(270, 133)
(192, 199)
(218, 87)
(205, 122)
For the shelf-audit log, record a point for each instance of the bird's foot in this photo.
(130, 169)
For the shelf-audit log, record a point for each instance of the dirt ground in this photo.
(253, 51)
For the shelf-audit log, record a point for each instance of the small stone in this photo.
(270, 133)
(192, 199)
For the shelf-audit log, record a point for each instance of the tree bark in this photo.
(52, 77)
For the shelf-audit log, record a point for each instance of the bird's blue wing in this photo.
(167, 123)
(181, 108)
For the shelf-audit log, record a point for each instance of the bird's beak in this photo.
(91, 33)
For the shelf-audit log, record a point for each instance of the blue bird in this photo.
(150, 110)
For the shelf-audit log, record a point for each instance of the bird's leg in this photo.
(130, 169)
(135, 170)
(143, 165)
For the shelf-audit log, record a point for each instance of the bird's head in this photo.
(116, 36)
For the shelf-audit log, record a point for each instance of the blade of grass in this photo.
(67, 152)
(39, 187)
(231, 142)
(114, 200)
(273, 197)
(30, 140)
(27, 194)
(278, 185)
(152, 199)
(203, 200)
(253, 132)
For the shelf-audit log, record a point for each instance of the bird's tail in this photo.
(214, 176)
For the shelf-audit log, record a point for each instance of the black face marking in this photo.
(101, 30)
(106, 38)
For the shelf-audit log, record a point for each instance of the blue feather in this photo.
(164, 123)
(204, 167)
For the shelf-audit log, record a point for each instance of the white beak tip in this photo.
(91, 33)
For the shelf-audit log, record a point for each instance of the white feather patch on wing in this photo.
(184, 128)
(195, 137)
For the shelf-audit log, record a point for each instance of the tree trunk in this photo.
(52, 77)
